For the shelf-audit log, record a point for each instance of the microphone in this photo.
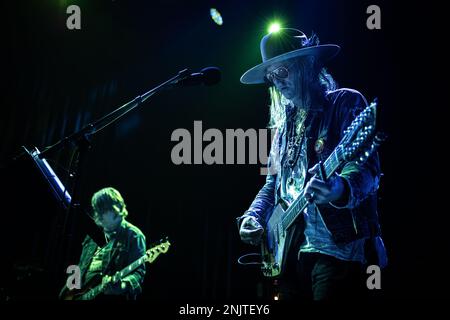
(207, 76)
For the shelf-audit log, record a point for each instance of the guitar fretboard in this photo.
(130, 268)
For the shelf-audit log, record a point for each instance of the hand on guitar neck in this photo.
(322, 191)
(113, 287)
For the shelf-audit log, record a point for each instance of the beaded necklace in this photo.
(294, 139)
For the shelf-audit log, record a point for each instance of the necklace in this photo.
(295, 137)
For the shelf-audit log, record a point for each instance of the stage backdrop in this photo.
(57, 80)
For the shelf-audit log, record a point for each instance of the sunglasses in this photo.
(279, 73)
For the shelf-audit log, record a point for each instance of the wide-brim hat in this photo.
(286, 44)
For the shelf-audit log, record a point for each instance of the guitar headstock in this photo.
(156, 250)
(360, 140)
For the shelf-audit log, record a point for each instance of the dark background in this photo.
(56, 80)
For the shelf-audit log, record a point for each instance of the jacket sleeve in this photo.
(362, 180)
(135, 279)
(265, 198)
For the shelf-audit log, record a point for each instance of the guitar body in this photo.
(82, 294)
(273, 244)
(75, 294)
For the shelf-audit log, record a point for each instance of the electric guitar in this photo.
(95, 287)
(358, 143)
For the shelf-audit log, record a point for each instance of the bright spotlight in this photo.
(274, 27)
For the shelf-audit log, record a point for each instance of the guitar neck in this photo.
(130, 268)
(330, 165)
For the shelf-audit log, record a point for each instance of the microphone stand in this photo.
(94, 127)
(81, 141)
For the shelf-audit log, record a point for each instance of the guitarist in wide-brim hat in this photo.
(323, 252)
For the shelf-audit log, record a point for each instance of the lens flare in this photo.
(216, 16)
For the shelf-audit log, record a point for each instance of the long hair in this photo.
(315, 83)
(109, 199)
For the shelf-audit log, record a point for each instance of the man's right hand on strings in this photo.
(251, 230)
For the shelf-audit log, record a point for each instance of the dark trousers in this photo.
(321, 277)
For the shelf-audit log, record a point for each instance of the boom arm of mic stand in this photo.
(110, 118)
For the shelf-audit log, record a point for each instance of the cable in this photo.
(249, 263)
